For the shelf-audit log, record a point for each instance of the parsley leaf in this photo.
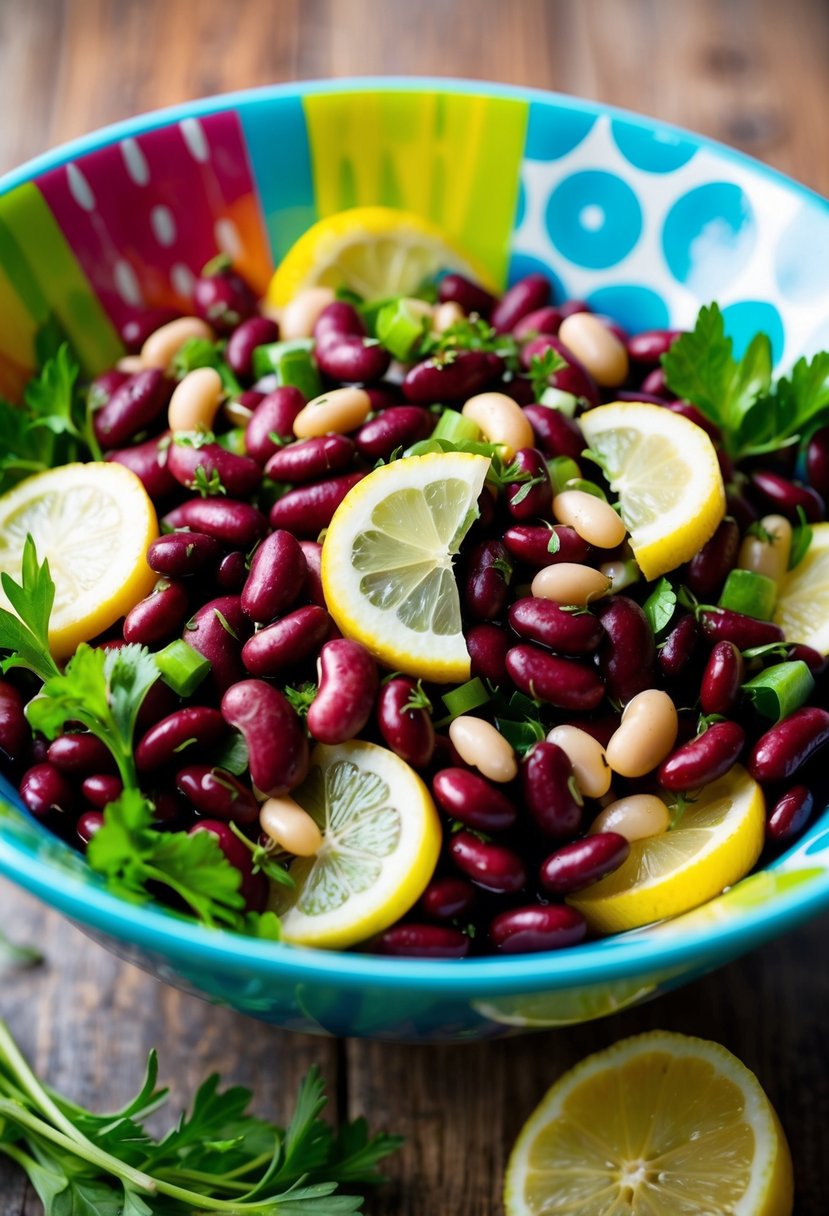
(27, 633)
(542, 367)
(660, 605)
(207, 484)
(201, 352)
(801, 539)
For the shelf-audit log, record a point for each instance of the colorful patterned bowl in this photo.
(644, 221)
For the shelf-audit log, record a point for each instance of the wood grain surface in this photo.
(750, 72)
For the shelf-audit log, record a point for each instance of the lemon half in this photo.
(803, 603)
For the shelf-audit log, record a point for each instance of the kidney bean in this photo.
(655, 383)
(708, 569)
(148, 461)
(164, 742)
(337, 320)
(347, 687)
(587, 756)
(488, 645)
(526, 296)
(222, 297)
(486, 580)
(582, 862)
(279, 646)
(480, 745)
(88, 824)
(252, 887)
(627, 655)
(572, 377)
(231, 572)
(216, 631)
(525, 500)
(131, 408)
(530, 543)
(705, 758)
(277, 575)
(638, 394)
(15, 732)
(471, 296)
(255, 331)
(472, 800)
(555, 433)
(786, 496)
(99, 789)
(782, 750)
(789, 815)
(158, 703)
(814, 660)
(520, 389)
(722, 679)
(546, 320)
(398, 426)
(447, 898)
(422, 941)
(536, 928)
(181, 554)
(217, 794)
(740, 509)
(494, 867)
(312, 552)
(679, 646)
(817, 462)
(744, 631)
(225, 519)
(500, 420)
(547, 622)
(103, 386)
(159, 616)
(79, 755)
(650, 345)
(636, 817)
(277, 744)
(408, 732)
(560, 682)
(467, 374)
(238, 475)
(310, 459)
(308, 509)
(43, 788)
(136, 329)
(592, 517)
(350, 359)
(646, 734)
(599, 345)
(274, 415)
(550, 791)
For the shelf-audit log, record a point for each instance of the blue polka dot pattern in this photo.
(801, 260)
(709, 236)
(655, 151)
(594, 219)
(633, 306)
(748, 317)
(553, 131)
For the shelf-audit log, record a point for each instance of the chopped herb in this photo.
(302, 698)
(542, 367)
(660, 605)
(206, 484)
(801, 539)
(225, 624)
(554, 543)
(418, 699)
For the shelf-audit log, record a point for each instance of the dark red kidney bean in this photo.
(814, 660)
(279, 646)
(347, 688)
(15, 732)
(744, 631)
(487, 511)
(337, 320)
(472, 800)
(239, 476)
(486, 580)
(277, 575)
(525, 500)
(817, 462)
(627, 655)
(276, 741)
(234, 523)
(181, 554)
(43, 788)
(310, 459)
(217, 631)
(582, 862)
(488, 645)
(232, 572)
(223, 298)
(408, 732)
(568, 307)
(560, 682)
(530, 543)
(650, 345)
(727, 467)
(520, 388)
(411, 940)
(253, 887)
(556, 434)
(631, 394)
(471, 296)
(398, 426)
(705, 758)
(433, 380)
(99, 789)
(786, 496)
(536, 928)
(573, 377)
(148, 460)
(88, 824)
(158, 703)
(546, 320)
(217, 794)
(789, 815)
(80, 755)
(739, 508)
(686, 410)
(709, 568)
(131, 408)
(255, 331)
(447, 898)
(164, 742)
(655, 383)
(273, 416)
(352, 359)
(550, 791)
(679, 646)
(136, 329)
(308, 509)
(383, 396)
(159, 616)
(722, 680)
(312, 551)
(491, 866)
(546, 622)
(103, 386)
(781, 751)
(527, 295)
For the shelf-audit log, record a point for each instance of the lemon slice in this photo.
(375, 251)
(665, 471)
(381, 841)
(656, 1125)
(803, 603)
(94, 523)
(387, 562)
(716, 840)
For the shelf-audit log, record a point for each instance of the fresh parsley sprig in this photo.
(26, 634)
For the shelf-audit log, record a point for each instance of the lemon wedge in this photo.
(716, 840)
(803, 603)
(655, 1125)
(387, 562)
(94, 522)
(375, 251)
(381, 842)
(665, 471)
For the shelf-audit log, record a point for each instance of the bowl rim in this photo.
(189, 943)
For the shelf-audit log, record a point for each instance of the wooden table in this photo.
(745, 71)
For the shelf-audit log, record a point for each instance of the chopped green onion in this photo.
(454, 426)
(298, 369)
(586, 487)
(557, 399)
(233, 441)
(469, 696)
(182, 668)
(780, 690)
(401, 326)
(370, 312)
(266, 358)
(749, 593)
(562, 469)
(423, 447)
(521, 735)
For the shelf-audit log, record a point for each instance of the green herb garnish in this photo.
(660, 605)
